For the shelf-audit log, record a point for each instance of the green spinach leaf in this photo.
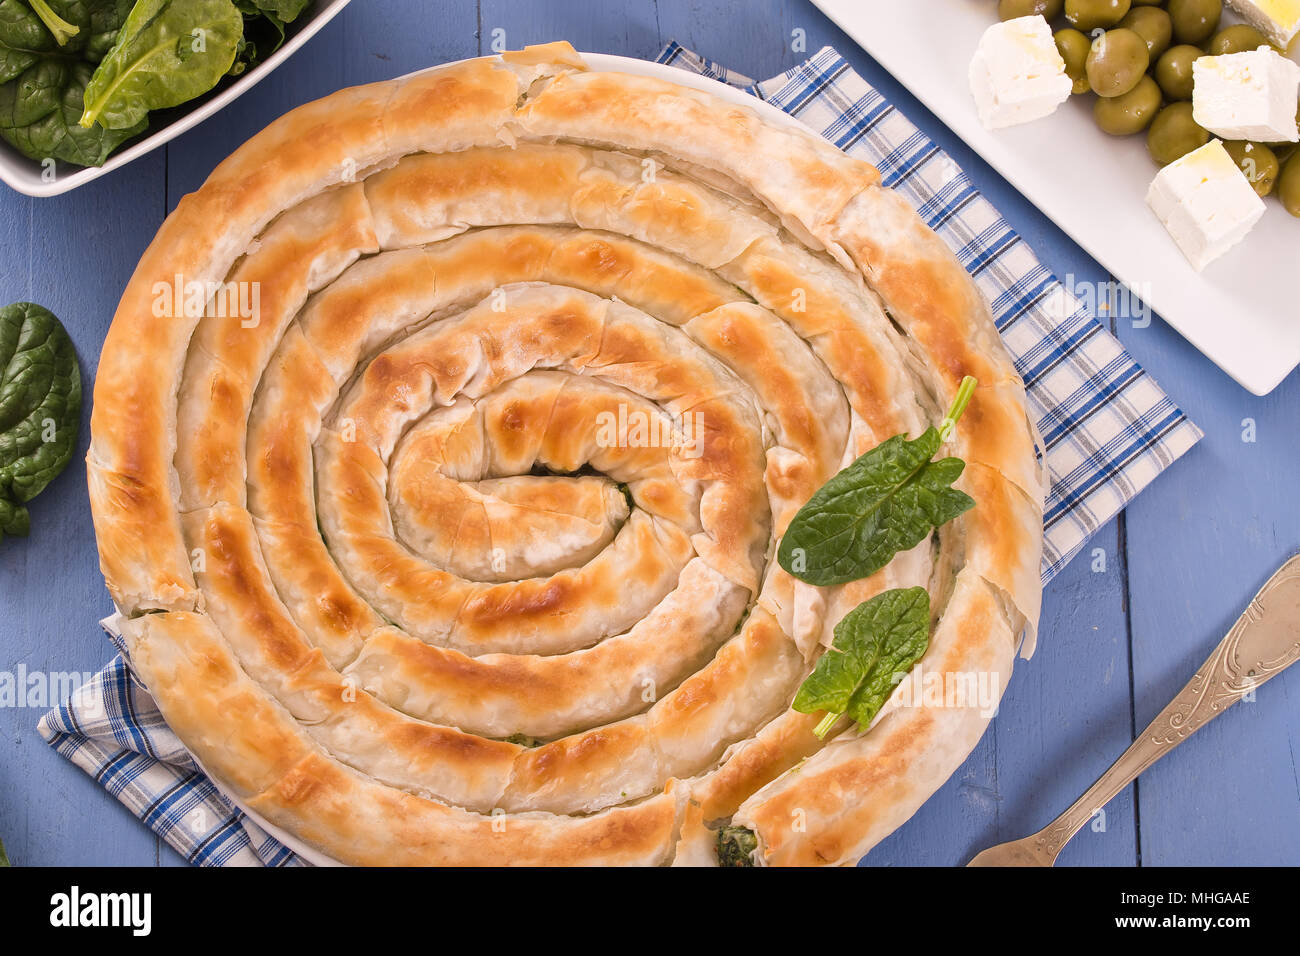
(40, 407)
(885, 502)
(874, 646)
(42, 84)
(167, 53)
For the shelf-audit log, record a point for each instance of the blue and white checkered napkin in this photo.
(1107, 427)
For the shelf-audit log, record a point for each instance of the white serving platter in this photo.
(28, 177)
(1243, 311)
(597, 61)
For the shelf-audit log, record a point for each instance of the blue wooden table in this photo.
(1123, 627)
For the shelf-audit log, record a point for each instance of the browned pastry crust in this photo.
(395, 565)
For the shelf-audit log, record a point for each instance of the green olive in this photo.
(1132, 112)
(1117, 61)
(1288, 185)
(1014, 9)
(1153, 25)
(1236, 39)
(1195, 20)
(1174, 134)
(1257, 163)
(1089, 15)
(1148, 3)
(1174, 71)
(1073, 47)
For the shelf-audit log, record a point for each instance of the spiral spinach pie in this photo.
(464, 545)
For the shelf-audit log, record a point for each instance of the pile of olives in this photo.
(1137, 56)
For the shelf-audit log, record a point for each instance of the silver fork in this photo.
(1263, 643)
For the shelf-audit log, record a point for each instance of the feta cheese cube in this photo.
(1017, 74)
(1279, 20)
(1249, 95)
(1205, 202)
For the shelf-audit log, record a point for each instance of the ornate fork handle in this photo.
(1264, 642)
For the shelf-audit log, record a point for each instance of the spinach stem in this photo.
(824, 726)
(63, 30)
(964, 392)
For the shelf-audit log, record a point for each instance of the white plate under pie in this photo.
(1243, 311)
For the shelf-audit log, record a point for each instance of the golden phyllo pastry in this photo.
(443, 441)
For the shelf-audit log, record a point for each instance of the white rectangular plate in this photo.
(26, 176)
(1243, 311)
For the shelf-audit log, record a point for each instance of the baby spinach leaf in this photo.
(887, 501)
(23, 39)
(167, 53)
(42, 84)
(874, 646)
(40, 407)
(736, 846)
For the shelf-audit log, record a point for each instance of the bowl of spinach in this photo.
(87, 86)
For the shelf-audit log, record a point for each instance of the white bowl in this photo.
(27, 176)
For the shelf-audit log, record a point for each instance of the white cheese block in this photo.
(1279, 20)
(1249, 95)
(1205, 202)
(1017, 74)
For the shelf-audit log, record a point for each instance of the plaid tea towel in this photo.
(1107, 427)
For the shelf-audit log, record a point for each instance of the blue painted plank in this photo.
(1199, 550)
(758, 39)
(627, 29)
